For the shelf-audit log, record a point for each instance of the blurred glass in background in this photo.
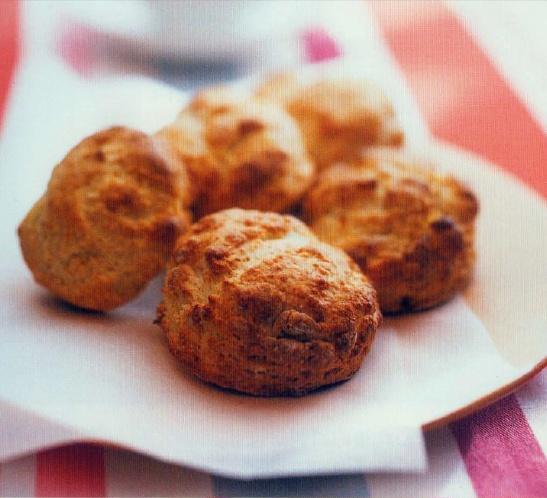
(186, 43)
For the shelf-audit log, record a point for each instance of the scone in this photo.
(409, 228)
(252, 301)
(240, 152)
(108, 221)
(338, 117)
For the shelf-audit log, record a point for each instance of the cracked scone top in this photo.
(338, 117)
(239, 152)
(108, 221)
(409, 228)
(252, 301)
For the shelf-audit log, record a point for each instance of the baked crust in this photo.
(409, 228)
(108, 221)
(252, 301)
(338, 117)
(240, 152)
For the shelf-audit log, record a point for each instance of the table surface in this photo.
(480, 86)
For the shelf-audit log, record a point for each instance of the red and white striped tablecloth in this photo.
(498, 451)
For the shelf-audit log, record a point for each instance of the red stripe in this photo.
(76, 470)
(461, 94)
(500, 452)
(319, 45)
(9, 49)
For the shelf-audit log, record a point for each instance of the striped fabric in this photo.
(494, 452)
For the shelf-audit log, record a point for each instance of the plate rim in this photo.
(487, 399)
(434, 147)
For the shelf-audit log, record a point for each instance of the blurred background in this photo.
(188, 42)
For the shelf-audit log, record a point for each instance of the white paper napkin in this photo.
(68, 376)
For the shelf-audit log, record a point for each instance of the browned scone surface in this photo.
(338, 117)
(409, 228)
(252, 301)
(240, 152)
(108, 221)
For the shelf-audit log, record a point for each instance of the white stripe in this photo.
(533, 400)
(446, 475)
(17, 477)
(132, 474)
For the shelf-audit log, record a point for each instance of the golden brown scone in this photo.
(409, 228)
(253, 301)
(108, 220)
(338, 117)
(240, 152)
